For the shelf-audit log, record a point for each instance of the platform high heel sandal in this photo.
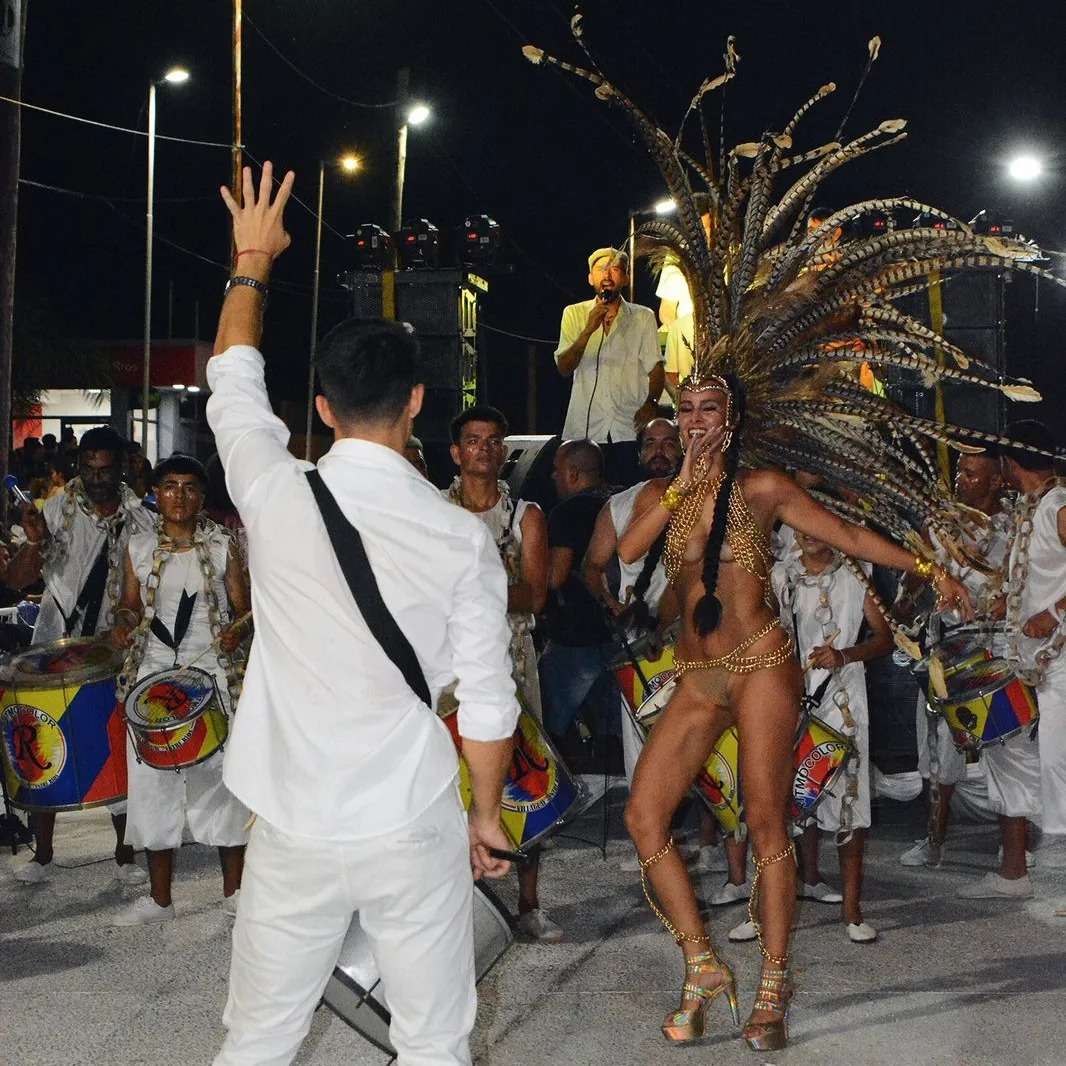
(686, 1024)
(774, 995)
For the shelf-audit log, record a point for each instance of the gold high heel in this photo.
(775, 995)
(687, 1023)
(775, 989)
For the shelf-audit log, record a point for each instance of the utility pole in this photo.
(238, 156)
(14, 46)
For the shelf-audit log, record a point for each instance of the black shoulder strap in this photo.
(348, 546)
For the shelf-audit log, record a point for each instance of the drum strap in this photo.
(348, 547)
(642, 613)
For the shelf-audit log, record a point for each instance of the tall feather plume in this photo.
(794, 316)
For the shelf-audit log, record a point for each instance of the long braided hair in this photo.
(708, 612)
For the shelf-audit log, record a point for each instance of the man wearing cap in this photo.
(610, 348)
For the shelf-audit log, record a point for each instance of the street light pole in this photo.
(402, 81)
(147, 366)
(314, 311)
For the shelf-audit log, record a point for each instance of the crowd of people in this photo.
(337, 778)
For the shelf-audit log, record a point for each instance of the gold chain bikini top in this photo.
(748, 543)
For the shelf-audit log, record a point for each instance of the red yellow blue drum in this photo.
(176, 719)
(820, 754)
(986, 703)
(63, 740)
(539, 792)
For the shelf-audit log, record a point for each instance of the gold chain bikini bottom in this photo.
(736, 663)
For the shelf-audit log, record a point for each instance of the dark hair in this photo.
(820, 213)
(1030, 434)
(179, 463)
(703, 202)
(102, 439)
(49, 440)
(481, 412)
(368, 369)
(708, 612)
(584, 456)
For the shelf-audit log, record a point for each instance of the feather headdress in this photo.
(791, 312)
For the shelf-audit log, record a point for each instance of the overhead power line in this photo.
(111, 126)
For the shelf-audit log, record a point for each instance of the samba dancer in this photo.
(349, 772)
(520, 531)
(1035, 610)
(824, 605)
(183, 584)
(77, 544)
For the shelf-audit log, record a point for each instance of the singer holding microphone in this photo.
(610, 348)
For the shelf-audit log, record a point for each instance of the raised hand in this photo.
(258, 224)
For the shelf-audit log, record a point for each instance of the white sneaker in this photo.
(32, 872)
(130, 874)
(992, 886)
(229, 904)
(538, 926)
(743, 932)
(143, 911)
(708, 859)
(923, 854)
(820, 893)
(1030, 862)
(730, 893)
(861, 933)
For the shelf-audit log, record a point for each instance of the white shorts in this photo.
(1012, 770)
(160, 802)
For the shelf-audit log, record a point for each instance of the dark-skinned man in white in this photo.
(351, 776)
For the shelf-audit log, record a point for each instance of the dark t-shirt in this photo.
(572, 616)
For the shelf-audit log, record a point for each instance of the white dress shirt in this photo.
(329, 741)
(611, 381)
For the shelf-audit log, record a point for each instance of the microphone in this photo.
(21, 496)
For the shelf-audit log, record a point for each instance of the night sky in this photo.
(556, 168)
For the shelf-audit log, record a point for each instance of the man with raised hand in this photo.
(335, 745)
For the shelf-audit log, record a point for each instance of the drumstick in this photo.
(233, 627)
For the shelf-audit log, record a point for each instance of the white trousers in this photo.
(952, 762)
(632, 742)
(160, 802)
(413, 893)
(1012, 772)
(1051, 696)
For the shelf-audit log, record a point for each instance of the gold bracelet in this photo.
(671, 499)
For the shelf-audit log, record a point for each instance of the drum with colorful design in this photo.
(176, 719)
(539, 792)
(64, 744)
(986, 703)
(644, 674)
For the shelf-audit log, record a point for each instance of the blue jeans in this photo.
(567, 676)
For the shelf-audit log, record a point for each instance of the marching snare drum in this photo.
(63, 743)
(986, 703)
(355, 992)
(176, 719)
(539, 793)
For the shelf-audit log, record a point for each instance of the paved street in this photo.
(950, 983)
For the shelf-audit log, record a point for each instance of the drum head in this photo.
(653, 706)
(170, 698)
(72, 661)
(979, 680)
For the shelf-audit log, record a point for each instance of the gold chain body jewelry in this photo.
(680, 938)
(735, 663)
(753, 901)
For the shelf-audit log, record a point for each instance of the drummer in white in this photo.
(183, 583)
(825, 605)
(520, 531)
(77, 544)
(1036, 612)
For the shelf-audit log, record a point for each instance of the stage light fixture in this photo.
(372, 247)
(418, 244)
(478, 239)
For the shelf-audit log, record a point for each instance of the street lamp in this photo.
(665, 207)
(1025, 167)
(350, 164)
(409, 114)
(174, 76)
